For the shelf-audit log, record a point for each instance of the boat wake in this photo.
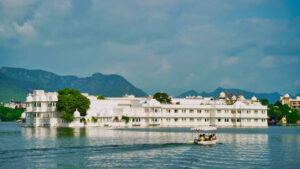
(104, 149)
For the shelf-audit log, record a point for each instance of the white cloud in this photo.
(267, 62)
(226, 83)
(297, 82)
(62, 5)
(25, 30)
(231, 60)
(16, 3)
(192, 78)
(164, 66)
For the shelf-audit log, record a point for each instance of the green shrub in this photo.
(100, 97)
(67, 117)
(162, 97)
(94, 119)
(125, 118)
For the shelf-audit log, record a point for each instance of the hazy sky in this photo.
(159, 45)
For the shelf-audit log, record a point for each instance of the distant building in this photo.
(293, 103)
(15, 104)
(146, 111)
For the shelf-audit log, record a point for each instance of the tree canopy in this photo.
(100, 97)
(9, 114)
(264, 102)
(277, 111)
(162, 97)
(69, 100)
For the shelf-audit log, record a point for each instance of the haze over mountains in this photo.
(16, 83)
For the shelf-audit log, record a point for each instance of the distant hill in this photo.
(272, 97)
(15, 83)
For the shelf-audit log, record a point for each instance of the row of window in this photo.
(42, 115)
(207, 120)
(136, 120)
(239, 120)
(185, 111)
(38, 104)
(207, 111)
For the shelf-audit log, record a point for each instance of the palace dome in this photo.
(287, 96)
(76, 113)
(222, 95)
(23, 115)
(241, 97)
(29, 98)
(233, 97)
(254, 98)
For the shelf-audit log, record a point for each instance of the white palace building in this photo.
(130, 111)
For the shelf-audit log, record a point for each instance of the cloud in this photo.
(165, 45)
(267, 62)
(290, 47)
(165, 66)
(25, 30)
(16, 3)
(297, 82)
(226, 83)
(231, 60)
(243, 48)
(192, 78)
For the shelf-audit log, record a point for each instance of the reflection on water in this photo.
(148, 148)
(135, 136)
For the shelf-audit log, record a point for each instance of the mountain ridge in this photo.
(108, 85)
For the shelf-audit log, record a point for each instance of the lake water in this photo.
(273, 147)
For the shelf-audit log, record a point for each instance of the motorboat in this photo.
(204, 135)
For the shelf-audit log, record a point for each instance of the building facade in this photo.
(293, 103)
(130, 111)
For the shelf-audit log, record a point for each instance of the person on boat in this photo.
(211, 138)
(202, 138)
(214, 137)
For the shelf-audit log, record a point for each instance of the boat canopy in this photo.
(204, 128)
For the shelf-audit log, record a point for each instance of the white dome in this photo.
(29, 98)
(239, 104)
(254, 98)
(233, 97)
(76, 113)
(287, 95)
(241, 97)
(23, 115)
(154, 102)
(222, 95)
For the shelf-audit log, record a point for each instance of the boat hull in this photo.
(196, 141)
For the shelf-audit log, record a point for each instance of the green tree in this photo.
(264, 102)
(69, 100)
(94, 119)
(285, 109)
(293, 116)
(67, 117)
(9, 114)
(274, 112)
(162, 97)
(278, 104)
(126, 118)
(100, 97)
